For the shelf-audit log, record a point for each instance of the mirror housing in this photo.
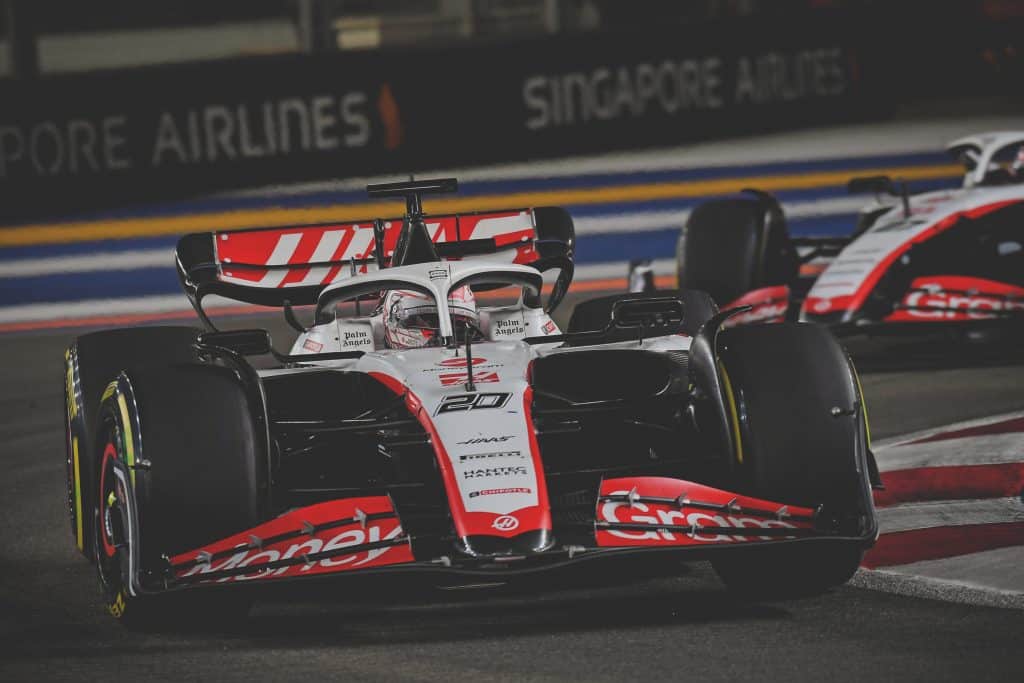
(242, 342)
(647, 312)
(878, 184)
(881, 184)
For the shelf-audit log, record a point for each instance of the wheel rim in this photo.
(112, 522)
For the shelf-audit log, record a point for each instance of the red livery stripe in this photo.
(951, 483)
(965, 499)
(904, 547)
(1004, 427)
(858, 298)
(477, 523)
(819, 305)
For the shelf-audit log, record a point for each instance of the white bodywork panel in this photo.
(893, 231)
(983, 147)
(488, 448)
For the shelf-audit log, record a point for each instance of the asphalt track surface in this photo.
(592, 628)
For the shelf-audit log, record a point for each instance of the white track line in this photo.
(72, 310)
(615, 269)
(85, 263)
(900, 137)
(984, 449)
(165, 303)
(999, 569)
(900, 453)
(954, 427)
(627, 222)
(890, 581)
(946, 513)
(623, 223)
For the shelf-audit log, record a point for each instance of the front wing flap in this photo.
(336, 536)
(365, 535)
(657, 511)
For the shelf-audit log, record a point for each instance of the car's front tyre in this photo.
(802, 440)
(180, 468)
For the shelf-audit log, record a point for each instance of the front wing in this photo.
(633, 514)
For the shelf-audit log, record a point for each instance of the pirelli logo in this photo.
(490, 457)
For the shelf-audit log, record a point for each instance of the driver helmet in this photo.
(1017, 167)
(411, 320)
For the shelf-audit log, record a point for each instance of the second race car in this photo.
(951, 257)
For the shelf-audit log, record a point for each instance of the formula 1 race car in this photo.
(411, 429)
(912, 262)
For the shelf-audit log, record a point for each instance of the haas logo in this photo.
(506, 523)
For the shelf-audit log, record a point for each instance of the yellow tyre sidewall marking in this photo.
(79, 538)
(126, 426)
(129, 444)
(76, 468)
(117, 607)
(72, 404)
(733, 413)
(863, 405)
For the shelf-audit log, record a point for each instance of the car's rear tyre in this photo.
(555, 231)
(802, 441)
(182, 466)
(596, 313)
(90, 363)
(729, 247)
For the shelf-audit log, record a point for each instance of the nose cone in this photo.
(526, 543)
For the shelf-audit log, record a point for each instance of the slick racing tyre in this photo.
(595, 314)
(729, 247)
(802, 439)
(90, 363)
(181, 467)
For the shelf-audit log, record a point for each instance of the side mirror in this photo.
(648, 312)
(878, 184)
(566, 269)
(881, 184)
(242, 342)
(998, 176)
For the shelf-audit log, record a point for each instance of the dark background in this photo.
(427, 101)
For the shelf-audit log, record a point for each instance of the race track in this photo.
(52, 627)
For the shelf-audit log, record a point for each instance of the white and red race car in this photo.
(414, 430)
(951, 256)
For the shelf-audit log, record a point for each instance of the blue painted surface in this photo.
(651, 242)
(82, 248)
(601, 248)
(531, 184)
(84, 286)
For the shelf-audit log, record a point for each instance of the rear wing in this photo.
(292, 265)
